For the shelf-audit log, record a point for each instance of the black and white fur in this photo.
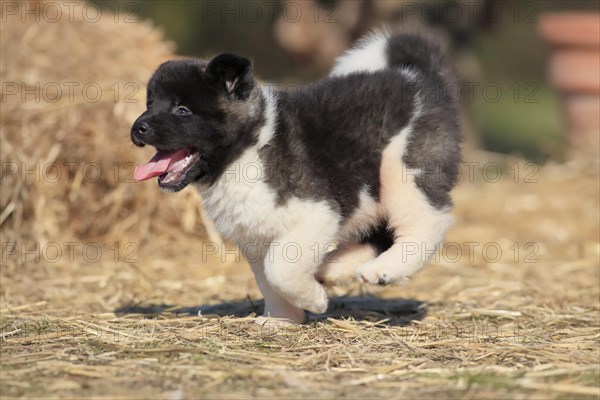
(361, 162)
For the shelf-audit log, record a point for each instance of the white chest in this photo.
(245, 210)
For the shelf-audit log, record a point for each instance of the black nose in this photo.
(140, 127)
(138, 131)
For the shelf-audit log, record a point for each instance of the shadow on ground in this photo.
(397, 312)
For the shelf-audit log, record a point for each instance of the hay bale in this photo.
(71, 90)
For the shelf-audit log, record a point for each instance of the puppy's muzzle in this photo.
(139, 130)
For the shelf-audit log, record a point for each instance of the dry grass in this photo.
(525, 325)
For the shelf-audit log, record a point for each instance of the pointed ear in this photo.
(231, 73)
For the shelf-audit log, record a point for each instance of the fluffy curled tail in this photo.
(381, 49)
(422, 52)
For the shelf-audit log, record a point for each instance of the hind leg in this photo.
(340, 266)
(418, 228)
(413, 247)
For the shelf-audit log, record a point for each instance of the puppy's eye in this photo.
(182, 110)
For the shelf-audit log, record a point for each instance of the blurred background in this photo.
(86, 247)
(502, 54)
(73, 81)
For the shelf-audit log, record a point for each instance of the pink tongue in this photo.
(159, 164)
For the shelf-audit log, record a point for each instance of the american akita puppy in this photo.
(361, 162)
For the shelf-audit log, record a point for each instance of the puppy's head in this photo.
(199, 117)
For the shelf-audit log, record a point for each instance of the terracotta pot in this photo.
(574, 69)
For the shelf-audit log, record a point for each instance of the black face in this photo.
(199, 117)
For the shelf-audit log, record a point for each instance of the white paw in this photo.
(334, 274)
(307, 295)
(375, 274)
(280, 312)
(340, 265)
(280, 321)
(316, 303)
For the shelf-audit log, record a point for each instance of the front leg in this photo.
(293, 260)
(275, 305)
